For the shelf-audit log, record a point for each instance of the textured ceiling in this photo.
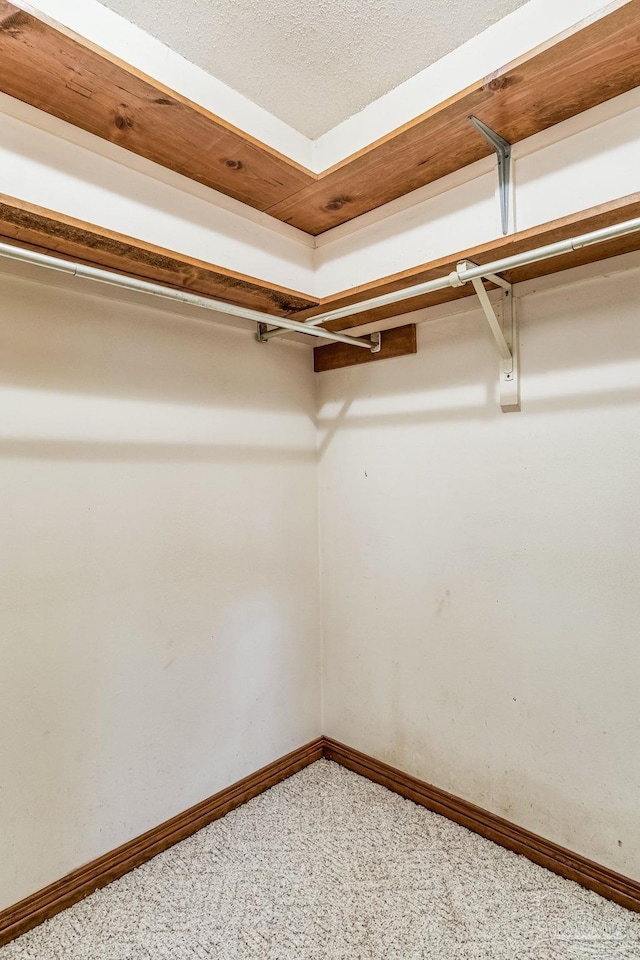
(313, 63)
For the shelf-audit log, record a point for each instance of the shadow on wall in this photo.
(92, 377)
(136, 452)
(486, 410)
(67, 335)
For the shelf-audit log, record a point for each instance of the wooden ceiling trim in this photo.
(584, 67)
(63, 74)
(27, 225)
(57, 71)
(499, 78)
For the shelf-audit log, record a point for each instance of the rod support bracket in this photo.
(505, 333)
(376, 342)
(261, 330)
(502, 149)
(461, 266)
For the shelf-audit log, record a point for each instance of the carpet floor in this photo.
(328, 866)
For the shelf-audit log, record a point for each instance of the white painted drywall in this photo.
(456, 212)
(588, 160)
(480, 570)
(159, 589)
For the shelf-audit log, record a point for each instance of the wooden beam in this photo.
(397, 342)
(55, 70)
(30, 226)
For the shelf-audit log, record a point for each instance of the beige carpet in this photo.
(327, 866)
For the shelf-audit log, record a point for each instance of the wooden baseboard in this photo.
(564, 862)
(45, 903)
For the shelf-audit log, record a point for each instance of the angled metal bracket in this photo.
(262, 329)
(502, 148)
(505, 334)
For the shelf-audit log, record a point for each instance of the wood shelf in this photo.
(594, 218)
(57, 71)
(30, 226)
(27, 225)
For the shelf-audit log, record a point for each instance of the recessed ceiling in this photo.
(313, 63)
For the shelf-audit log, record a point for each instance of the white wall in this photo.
(480, 570)
(159, 595)
(159, 598)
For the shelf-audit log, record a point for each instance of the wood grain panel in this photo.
(53, 233)
(585, 67)
(397, 342)
(49, 67)
(558, 859)
(67, 76)
(80, 883)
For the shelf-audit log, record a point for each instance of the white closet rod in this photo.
(459, 278)
(169, 293)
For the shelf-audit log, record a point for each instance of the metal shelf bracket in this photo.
(505, 333)
(502, 148)
(373, 342)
